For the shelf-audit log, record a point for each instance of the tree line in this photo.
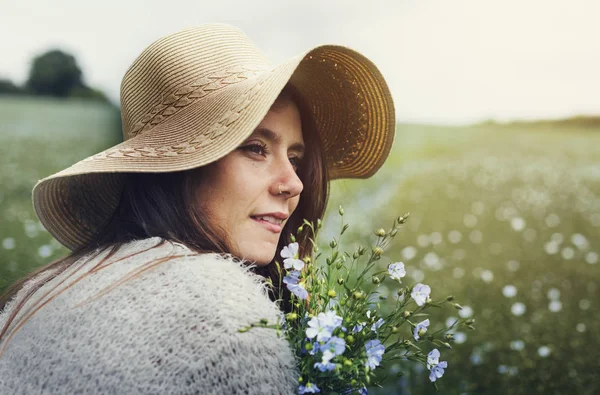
(54, 74)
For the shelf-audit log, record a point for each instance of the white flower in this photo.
(290, 251)
(420, 293)
(323, 325)
(396, 271)
(292, 263)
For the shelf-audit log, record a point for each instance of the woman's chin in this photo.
(259, 255)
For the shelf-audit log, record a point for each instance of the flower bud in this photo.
(343, 302)
(447, 345)
(376, 280)
(450, 298)
(377, 251)
(347, 362)
(331, 293)
(300, 228)
(333, 243)
(293, 238)
(407, 313)
(300, 380)
(319, 223)
(264, 321)
(307, 259)
(457, 306)
(341, 210)
(470, 321)
(340, 281)
(339, 265)
(395, 329)
(308, 346)
(357, 295)
(353, 382)
(380, 232)
(355, 255)
(350, 339)
(393, 232)
(471, 327)
(362, 250)
(449, 337)
(291, 316)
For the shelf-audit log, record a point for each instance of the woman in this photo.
(174, 230)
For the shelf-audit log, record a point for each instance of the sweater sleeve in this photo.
(173, 329)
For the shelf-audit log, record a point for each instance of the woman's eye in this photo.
(295, 161)
(256, 149)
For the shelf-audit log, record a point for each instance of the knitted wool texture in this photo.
(171, 330)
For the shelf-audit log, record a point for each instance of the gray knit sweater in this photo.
(170, 330)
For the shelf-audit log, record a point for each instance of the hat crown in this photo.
(182, 68)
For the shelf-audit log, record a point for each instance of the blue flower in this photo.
(438, 371)
(396, 271)
(323, 325)
(334, 347)
(375, 352)
(308, 389)
(433, 358)
(292, 280)
(420, 329)
(420, 293)
(363, 391)
(324, 367)
(435, 366)
(315, 348)
(359, 327)
(377, 325)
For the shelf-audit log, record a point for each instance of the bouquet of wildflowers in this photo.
(338, 328)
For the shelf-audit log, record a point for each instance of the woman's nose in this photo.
(288, 183)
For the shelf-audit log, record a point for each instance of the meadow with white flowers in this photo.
(505, 218)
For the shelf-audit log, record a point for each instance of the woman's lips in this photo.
(268, 225)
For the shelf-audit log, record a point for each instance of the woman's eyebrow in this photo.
(275, 138)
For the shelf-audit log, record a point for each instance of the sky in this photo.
(446, 61)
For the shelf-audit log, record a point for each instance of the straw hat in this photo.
(192, 97)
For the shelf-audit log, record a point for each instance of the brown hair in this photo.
(160, 204)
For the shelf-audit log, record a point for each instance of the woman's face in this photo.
(250, 193)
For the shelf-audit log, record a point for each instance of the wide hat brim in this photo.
(350, 102)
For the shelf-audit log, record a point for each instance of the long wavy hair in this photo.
(162, 204)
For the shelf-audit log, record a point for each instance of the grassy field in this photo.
(505, 218)
(37, 138)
